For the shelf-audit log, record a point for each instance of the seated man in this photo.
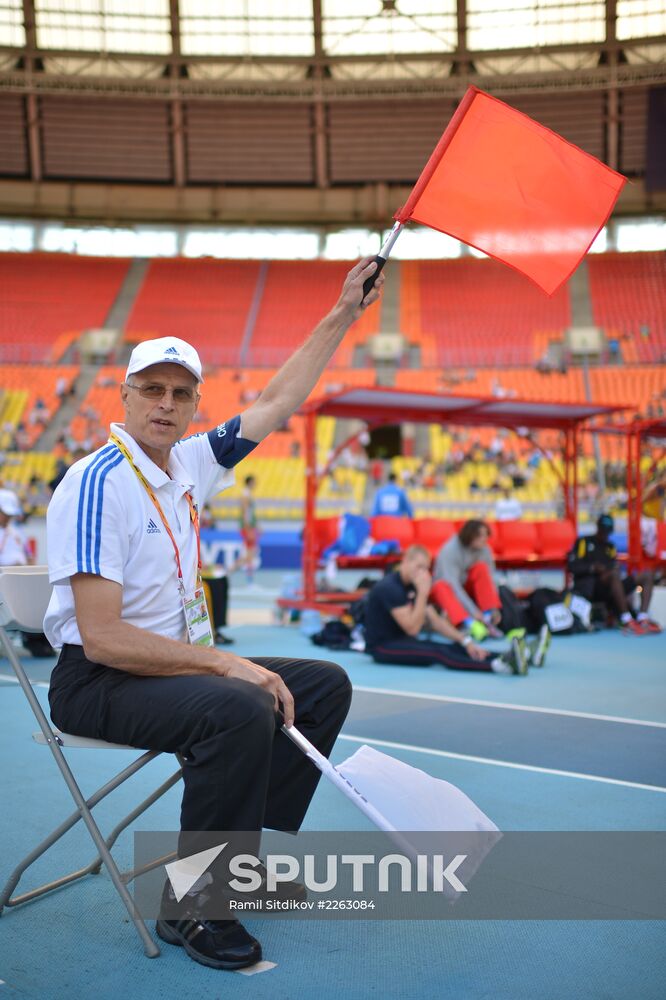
(596, 576)
(464, 586)
(138, 665)
(397, 610)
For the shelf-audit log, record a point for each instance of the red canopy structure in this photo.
(380, 407)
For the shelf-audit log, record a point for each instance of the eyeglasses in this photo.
(155, 391)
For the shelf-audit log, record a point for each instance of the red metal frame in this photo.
(637, 433)
(474, 411)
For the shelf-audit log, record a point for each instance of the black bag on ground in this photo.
(513, 612)
(564, 612)
(334, 635)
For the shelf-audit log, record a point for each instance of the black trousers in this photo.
(599, 592)
(240, 772)
(410, 652)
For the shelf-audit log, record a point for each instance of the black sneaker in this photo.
(539, 647)
(219, 944)
(517, 658)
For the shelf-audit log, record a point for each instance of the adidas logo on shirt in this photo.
(153, 529)
(171, 350)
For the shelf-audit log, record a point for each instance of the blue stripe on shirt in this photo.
(99, 460)
(100, 504)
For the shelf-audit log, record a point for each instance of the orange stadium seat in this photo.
(628, 293)
(296, 296)
(517, 539)
(208, 302)
(476, 309)
(554, 538)
(433, 532)
(385, 527)
(48, 295)
(326, 532)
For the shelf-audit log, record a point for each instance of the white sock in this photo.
(626, 617)
(642, 616)
(500, 666)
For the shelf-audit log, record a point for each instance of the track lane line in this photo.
(412, 748)
(513, 707)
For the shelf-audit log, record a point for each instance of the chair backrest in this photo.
(518, 539)
(387, 527)
(326, 531)
(25, 593)
(433, 532)
(555, 538)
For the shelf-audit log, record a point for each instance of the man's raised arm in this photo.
(294, 382)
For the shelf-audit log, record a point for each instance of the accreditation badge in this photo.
(199, 631)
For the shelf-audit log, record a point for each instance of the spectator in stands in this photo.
(391, 499)
(62, 466)
(508, 508)
(35, 498)
(518, 475)
(21, 438)
(123, 611)
(397, 611)
(61, 387)
(596, 576)
(464, 585)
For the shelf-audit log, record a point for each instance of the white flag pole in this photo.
(334, 776)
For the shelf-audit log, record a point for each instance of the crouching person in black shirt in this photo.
(596, 576)
(398, 610)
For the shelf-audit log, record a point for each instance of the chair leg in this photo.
(94, 866)
(151, 950)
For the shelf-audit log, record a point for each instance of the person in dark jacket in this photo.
(596, 576)
(398, 610)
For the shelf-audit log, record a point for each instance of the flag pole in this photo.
(383, 256)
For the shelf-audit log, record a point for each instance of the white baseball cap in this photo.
(10, 503)
(155, 352)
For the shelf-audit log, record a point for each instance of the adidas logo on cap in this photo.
(171, 350)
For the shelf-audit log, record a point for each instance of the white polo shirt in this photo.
(101, 520)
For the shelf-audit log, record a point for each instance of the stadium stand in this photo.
(628, 293)
(410, 313)
(210, 302)
(296, 295)
(23, 389)
(524, 382)
(475, 309)
(47, 299)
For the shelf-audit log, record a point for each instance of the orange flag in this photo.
(506, 185)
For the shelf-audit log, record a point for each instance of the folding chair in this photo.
(24, 596)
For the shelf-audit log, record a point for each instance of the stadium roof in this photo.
(340, 28)
(334, 99)
(392, 406)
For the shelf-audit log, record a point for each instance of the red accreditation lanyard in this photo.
(194, 515)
